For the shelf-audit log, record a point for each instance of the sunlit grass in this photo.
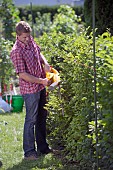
(11, 129)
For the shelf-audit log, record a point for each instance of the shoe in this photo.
(47, 151)
(31, 157)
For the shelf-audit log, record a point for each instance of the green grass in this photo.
(11, 152)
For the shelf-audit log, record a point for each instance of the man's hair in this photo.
(22, 27)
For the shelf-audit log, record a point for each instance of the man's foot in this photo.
(48, 150)
(31, 157)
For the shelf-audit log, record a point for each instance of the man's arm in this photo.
(33, 79)
(46, 64)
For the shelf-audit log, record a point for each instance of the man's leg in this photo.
(40, 127)
(31, 103)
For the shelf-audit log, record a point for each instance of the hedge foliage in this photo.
(71, 120)
(71, 108)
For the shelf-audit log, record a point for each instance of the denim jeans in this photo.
(35, 123)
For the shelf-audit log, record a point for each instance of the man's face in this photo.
(24, 37)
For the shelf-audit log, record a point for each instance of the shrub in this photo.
(6, 68)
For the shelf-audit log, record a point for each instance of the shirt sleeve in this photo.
(40, 56)
(18, 61)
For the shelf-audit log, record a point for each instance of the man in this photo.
(31, 66)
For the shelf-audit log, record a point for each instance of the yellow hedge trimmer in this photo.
(54, 78)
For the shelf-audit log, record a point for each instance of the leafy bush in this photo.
(71, 110)
(9, 17)
(65, 21)
(42, 24)
(5, 62)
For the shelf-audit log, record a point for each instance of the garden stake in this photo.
(59, 92)
(95, 93)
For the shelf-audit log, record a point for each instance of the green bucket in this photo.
(17, 102)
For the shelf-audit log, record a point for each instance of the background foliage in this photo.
(9, 14)
(5, 63)
(103, 16)
(24, 11)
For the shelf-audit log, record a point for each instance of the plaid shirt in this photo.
(28, 59)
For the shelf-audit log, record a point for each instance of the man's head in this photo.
(23, 31)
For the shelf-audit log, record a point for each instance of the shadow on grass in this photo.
(44, 162)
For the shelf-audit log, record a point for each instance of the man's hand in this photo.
(46, 82)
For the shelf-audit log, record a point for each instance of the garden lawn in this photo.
(11, 152)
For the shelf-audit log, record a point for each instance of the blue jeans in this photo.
(35, 123)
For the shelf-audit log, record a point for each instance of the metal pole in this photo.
(32, 19)
(95, 94)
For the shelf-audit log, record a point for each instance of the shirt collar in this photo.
(24, 46)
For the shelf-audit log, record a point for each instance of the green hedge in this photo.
(71, 118)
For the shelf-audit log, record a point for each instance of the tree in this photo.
(5, 62)
(66, 21)
(9, 17)
(103, 15)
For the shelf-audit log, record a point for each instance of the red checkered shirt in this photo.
(28, 59)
